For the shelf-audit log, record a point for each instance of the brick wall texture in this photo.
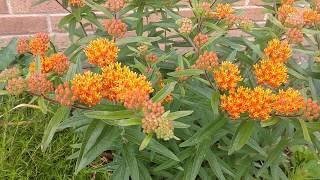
(19, 18)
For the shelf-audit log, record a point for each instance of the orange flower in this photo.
(46, 65)
(288, 2)
(115, 27)
(311, 17)
(87, 87)
(236, 102)
(294, 20)
(39, 84)
(270, 73)
(117, 81)
(207, 61)
(151, 58)
(223, 11)
(227, 76)
(135, 99)
(39, 44)
(311, 110)
(115, 5)
(101, 52)
(200, 40)
(78, 3)
(288, 102)
(22, 46)
(278, 51)
(60, 63)
(260, 104)
(185, 25)
(64, 95)
(284, 11)
(294, 35)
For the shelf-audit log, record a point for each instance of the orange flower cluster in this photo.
(39, 44)
(278, 51)
(223, 11)
(311, 110)
(39, 84)
(288, 102)
(101, 52)
(64, 95)
(260, 103)
(200, 40)
(16, 86)
(135, 99)
(77, 3)
(205, 10)
(289, 2)
(295, 20)
(117, 81)
(115, 27)
(115, 5)
(185, 25)
(294, 35)
(22, 46)
(207, 61)
(153, 122)
(151, 58)
(311, 17)
(143, 49)
(87, 87)
(271, 73)
(60, 63)
(10, 73)
(227, 76)
(57, 63)
(257, 102)
(285, 11)
(236, 102)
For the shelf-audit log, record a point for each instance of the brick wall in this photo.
(19, 18)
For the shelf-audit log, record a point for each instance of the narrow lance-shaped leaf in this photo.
(164, 92)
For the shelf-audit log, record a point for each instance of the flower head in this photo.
(152, 116)
(46, 65)
(245, 23)
(60, 63)
(64, 95)
(115, 27)
(288, 102)
(16, 86)
(204, 10)
(118, 80)
(22, 46)
(10, 73)
(271, 73)
(227, 76)
(200, 40)
(87, 87)
(236, 102)
(115, 5)
(288, 2)
(39, 84)
(223, 11)
(311, 111)
(39, 44)
(261, 103)
(101, 52)
(207, 61)
(278, 51)
(143, 48)
(294, 20)
(294, 35)
(311, 17)
(151, 58)
(136, 99)
(185, 25)
(284, 11)
(77, 3)
(165, 130)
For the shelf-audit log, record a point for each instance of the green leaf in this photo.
(242, 135)
(3, 92)
(186, 72)
(98, 138)
(164, 92)
(129, 156)
(53, 125)
(145, 142)
(109, 115)
(214, 164)
(205, 132)
(123, 122)
(136, 39)
(7, 54)
(178, 114)
(42, 105)
(96, 6)
(269, 122)
(215, 102)
(255, 48)
(305, 131)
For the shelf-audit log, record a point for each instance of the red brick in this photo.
(255, 14)
(258, 3)
(3, 7)
(55, 24)
(23, 25)
(61, 41)
(26, 6)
